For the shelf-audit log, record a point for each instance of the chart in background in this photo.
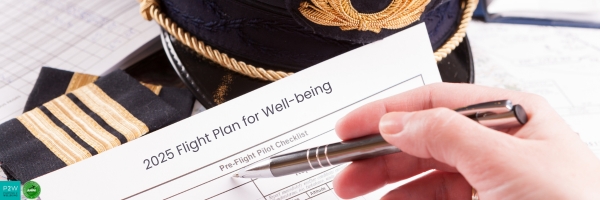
(559, 63)
(77, 35)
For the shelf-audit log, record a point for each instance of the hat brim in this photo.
(212, 84)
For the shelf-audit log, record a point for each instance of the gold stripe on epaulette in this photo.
(78, 80)
(154, 88)
(111, 111)
(53, 137)
(399, 14)
(65, 110)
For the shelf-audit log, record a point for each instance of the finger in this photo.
(365, 120)
(435, 185)
(448, 137)
(361, 122)
(364, 176)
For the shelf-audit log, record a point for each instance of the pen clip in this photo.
(492, 107)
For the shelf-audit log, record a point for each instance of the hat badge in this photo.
(398, 14)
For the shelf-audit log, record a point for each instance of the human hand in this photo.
(544, 159)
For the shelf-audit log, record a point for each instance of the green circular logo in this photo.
(31, 190)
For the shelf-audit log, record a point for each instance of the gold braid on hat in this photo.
(150, 9)
(340, 13)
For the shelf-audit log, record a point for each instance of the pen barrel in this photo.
(495, 114)
(330, 155)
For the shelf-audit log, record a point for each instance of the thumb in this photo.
(444, 135)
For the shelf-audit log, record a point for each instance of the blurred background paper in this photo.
(576, 13)
(85, 36)
(561, 64)
(572, 10)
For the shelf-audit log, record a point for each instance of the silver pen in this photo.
(495, 114)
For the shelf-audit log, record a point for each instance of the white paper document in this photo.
(572, 10)
(196, 158)
(84, 36)
(562, 64)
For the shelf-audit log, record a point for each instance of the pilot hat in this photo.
(225, 48)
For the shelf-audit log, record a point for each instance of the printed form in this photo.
(197, 157)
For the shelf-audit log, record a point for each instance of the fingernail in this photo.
(393, 123)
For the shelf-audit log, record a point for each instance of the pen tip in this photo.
(236, 176)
